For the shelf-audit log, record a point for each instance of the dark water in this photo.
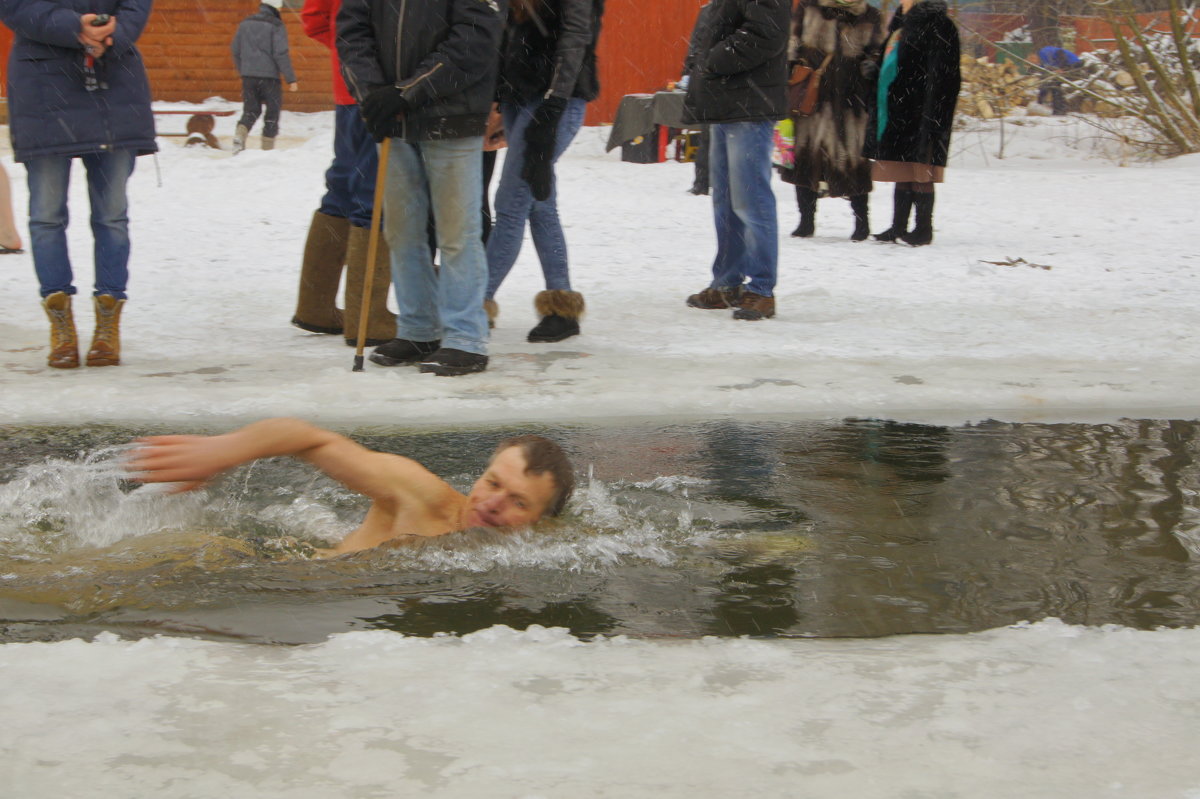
(773, 528)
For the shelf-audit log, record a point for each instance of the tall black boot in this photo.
(902, 203)
(806, 199)
(862, 222)
(922, 233)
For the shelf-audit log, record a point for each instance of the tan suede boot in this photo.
(106, 343)
(493, 310)
(268, 142)
(320, 274)
(64, 346)
(560, 311)
(239, 138)
(381, 323)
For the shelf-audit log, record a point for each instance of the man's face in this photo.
(506, 495)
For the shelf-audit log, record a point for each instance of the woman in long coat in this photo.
(909, 133)
(829, 142)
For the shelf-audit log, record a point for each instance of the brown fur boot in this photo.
(381, 323)
(493, 310)
(320, 274)
(64, 347)
(106, 343)
(560, 311)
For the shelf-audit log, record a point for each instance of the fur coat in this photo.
(829, 142)
(922, 98)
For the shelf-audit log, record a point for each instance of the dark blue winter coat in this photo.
(50, 110)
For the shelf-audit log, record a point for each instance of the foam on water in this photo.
(1036, 710)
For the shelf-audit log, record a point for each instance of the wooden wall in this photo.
(186, 48)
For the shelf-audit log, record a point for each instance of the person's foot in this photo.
(553, 328)
(714, 298)
(754, 307)
(402, 351)
(449, 362)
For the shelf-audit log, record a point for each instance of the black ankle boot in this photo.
(901, 207)
(806, 200)
(554, 328)
(862, 224)
(922, 233)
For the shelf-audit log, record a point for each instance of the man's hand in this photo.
(380, 109)
(96, 39)
(190, 461)
(540, 139)
(293, 87)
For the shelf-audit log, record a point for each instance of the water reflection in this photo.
(781, 528)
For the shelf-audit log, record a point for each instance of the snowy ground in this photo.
(933, 333)
(864, 329)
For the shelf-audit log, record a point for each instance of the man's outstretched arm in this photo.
(193, 460)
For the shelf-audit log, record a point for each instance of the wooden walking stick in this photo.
(372, 251)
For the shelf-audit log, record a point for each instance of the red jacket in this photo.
(319, 18)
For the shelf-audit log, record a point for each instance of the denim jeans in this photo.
(49, 178)
(744, 206)
(350, 179)
(445, 304)
(515, 203)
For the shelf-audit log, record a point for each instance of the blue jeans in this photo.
(744, 206)
(445, 304)
(350, 179)
(515, 203)
(49, 178)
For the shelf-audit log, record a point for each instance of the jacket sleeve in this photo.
(942, 83)
(356, 49)
(317, 18)
(279, 52)
(762, 35)
(573, 40)
(469, 52)
(235, 49)
(132, 16)
(42, 21)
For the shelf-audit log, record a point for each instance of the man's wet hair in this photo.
(543, 456)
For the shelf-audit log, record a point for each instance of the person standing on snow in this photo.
(738, 86)
(77, 88)
(424, 74)
(340, 229)
(547, 77)
(908, 135)
(260, 55)
(846, 36)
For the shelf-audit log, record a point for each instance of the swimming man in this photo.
(527, 477)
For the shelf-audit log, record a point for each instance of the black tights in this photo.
(919, 188)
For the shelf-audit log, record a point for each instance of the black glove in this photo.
(540, 138)
(379, 110)
(869, 69)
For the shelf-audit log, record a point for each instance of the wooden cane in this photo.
(372, 251)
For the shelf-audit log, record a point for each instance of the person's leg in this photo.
(455, 176)
(406, 204)
(10, 237)
(48, 179)
(724, 290)
(514, 199)
(700, 181)
(545, 228)
(339, 177)
(107, 176)
(859, 206)
(806, 203)
(272, 94)
(365, 166)
(922, 232)
(755, 249)
(902, 202)
(251, 103)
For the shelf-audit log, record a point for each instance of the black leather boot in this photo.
(806, 200)
(862, 223)
(901, 207)
(922, 232)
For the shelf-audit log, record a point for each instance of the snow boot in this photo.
(106, 343)
(239, 138)
(754, 307)
(402, 351)
(320, 274)
(922, 233)
(716, 298)
(902, 203)
(806, 199)
(64, 347)
(492, 310)
(560, 311)
(268, 142)
(381, 323)
(449, 362)
(862, 223)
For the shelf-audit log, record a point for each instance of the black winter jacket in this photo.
(552, 53)
(442, 54)
(921, 100)
(740, 70)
